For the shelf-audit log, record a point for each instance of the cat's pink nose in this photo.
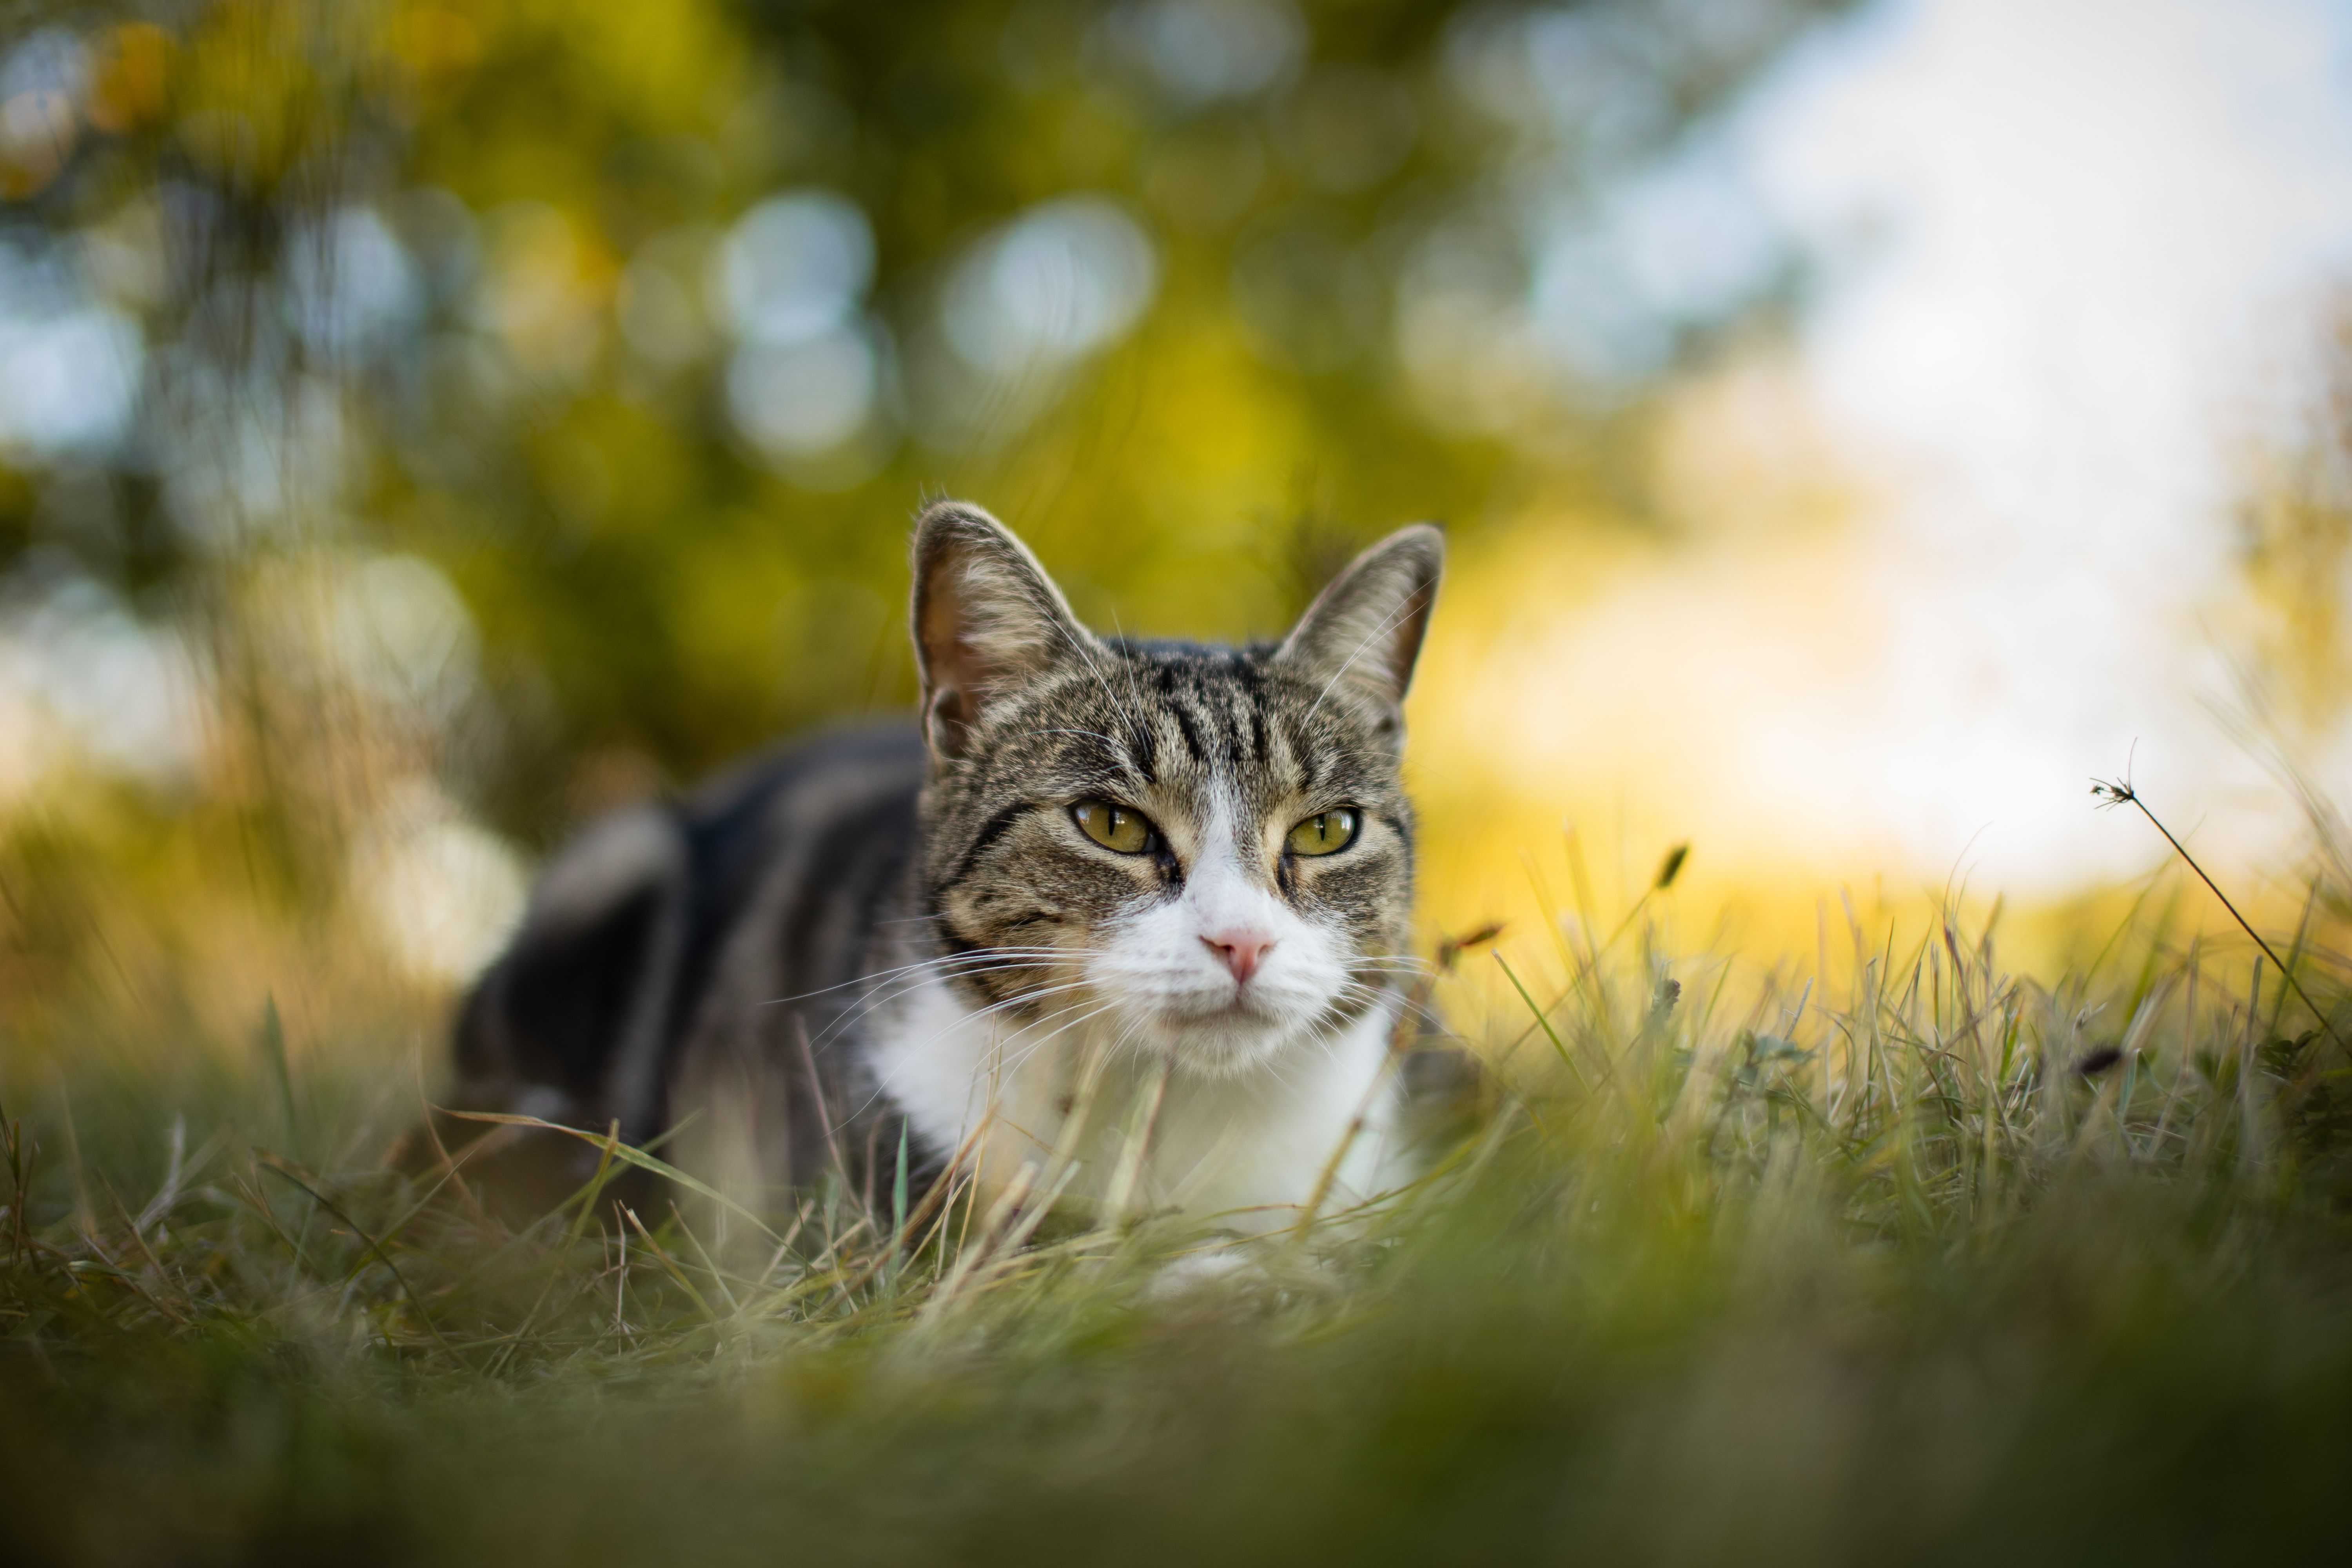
(1240, 950)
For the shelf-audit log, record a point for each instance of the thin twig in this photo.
(2112, 795)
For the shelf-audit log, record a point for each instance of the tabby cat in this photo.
(1132, 915)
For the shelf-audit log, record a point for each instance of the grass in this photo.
(1915, 1260)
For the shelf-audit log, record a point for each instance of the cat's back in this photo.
(732, 922)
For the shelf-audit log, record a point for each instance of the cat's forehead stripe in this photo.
(1187, 730)
(1180, 722)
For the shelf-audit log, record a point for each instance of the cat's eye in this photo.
(1114, 826)
(1326, 832)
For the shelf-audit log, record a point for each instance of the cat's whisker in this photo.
(1033, 1047)
(887, 996)
(1134, 726)
(1031, 999)
(1419, 1010)
(1005, 1004)
(943, 962)
(883, 1081)
(1127, 667)
(957, 966)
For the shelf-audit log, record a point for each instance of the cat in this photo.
(1131, 917)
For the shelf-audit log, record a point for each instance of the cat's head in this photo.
(1208, 849)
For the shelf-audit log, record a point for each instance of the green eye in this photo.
(1114, 826)
(1325, 832)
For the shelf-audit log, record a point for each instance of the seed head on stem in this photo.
(2115, 792)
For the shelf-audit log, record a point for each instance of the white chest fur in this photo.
(1127, 1129)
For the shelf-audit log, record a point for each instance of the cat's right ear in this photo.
(986, 619)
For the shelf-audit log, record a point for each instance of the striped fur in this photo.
(906, 936)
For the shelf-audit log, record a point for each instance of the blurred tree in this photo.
(2295, 541)
(647, 327)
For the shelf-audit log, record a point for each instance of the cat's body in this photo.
(1126, 919)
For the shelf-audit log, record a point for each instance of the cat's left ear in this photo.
(987, 619)
(1363, 632)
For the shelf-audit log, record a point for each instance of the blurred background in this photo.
(425, 426)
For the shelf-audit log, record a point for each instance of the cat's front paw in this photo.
(1268, 1270)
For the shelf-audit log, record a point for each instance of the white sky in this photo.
(2071, 245)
